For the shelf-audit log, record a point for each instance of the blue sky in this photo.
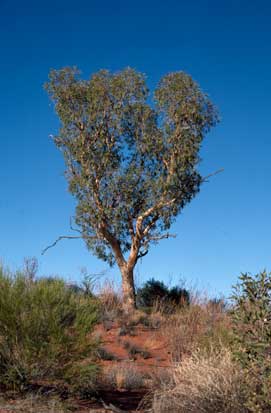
(224, 45)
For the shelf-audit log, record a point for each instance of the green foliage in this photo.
(44, 332)
(154, 291)
(252, 316)
(127, 158)
(252, 327)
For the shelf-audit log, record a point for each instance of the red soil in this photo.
(143, 338)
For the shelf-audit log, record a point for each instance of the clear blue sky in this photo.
(225, 45)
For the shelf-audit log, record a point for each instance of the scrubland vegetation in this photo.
(218, 351)
(44, 333)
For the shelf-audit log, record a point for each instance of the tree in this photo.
(131, 165)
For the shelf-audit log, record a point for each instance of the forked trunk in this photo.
(127, 272)
(128, 289)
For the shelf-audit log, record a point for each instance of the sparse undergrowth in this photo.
(220, 355)
(203, 382)
(35, 403)
(200, 325)
(134, 351)
(124, 376)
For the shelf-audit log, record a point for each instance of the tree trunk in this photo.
(127, 272)
(128, 289)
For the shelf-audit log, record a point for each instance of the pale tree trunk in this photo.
(127, 271)
(128, 289)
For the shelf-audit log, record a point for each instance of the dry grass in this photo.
(199, 325)
(152, 342)
(124, 376)
(33, 403)
(203, 383)
(110, 301)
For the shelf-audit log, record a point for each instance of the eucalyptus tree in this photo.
(131, 162)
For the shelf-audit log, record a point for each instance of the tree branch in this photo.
(131, 226)
(150, 225)
(159, 237)
(65, 237)
(114, 243)
(205, 178)
(149, 211)
(142, 254)
(74, 229)
(57, 240)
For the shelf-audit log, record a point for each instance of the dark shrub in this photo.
(151, 292)
(178, 296)
(154, 292)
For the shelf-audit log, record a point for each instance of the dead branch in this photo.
(61, 237)
(57, 240)
(205, 178)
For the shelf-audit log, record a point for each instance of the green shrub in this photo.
(44, 332)
(154, 291)
(252, 331)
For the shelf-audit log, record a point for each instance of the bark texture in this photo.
(128, 289)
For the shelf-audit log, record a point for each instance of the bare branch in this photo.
(61, 237)
(64, 237)
(57, 240)
(205, 178)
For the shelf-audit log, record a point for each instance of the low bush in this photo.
(44, 333)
